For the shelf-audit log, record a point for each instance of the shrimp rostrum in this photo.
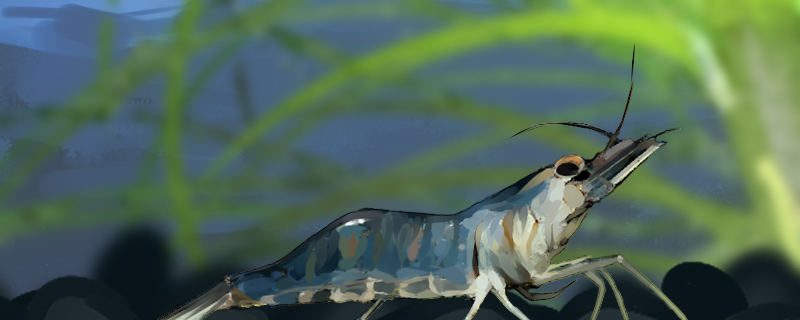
(506, 241)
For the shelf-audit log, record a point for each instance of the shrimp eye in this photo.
(569, 166)
(567, 169)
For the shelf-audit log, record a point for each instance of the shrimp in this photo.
(506, 241)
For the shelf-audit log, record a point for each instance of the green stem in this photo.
(175, 104)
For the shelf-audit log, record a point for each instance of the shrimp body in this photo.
(373, 254)
(366, 255)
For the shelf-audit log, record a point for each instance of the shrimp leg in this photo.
(484, 286)
(523, 290)
(600, 293)
(616, 293)
(372, 309)
(500, 291)
(583, 265)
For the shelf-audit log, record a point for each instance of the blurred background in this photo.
(235, 129)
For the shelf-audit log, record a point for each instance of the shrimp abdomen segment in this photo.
(366, 255)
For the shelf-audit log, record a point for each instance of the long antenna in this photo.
(614, 139)
(574, 124)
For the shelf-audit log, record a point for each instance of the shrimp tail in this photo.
(216, 298)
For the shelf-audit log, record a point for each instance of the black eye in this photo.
(581, 176)
(567, 169)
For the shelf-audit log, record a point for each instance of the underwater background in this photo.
(149, 148)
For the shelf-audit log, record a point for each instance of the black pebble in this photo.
(458, 308)
(110, 308)
(483, 314)
(614, 314)
(245, 314)
(331, 310)
(766, 277)
(71, 308)
(442, 309)
(67, 287)
(24, 299)
(10, 310)
(390, 310)
(769, 311)
(702, 291)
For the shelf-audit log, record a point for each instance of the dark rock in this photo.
(702, 291)
(614, 314)
(75, 287)
(11, 311)
(239, 314)
(766, 277)
(442, 309)
(110, 308)
(769, 311)
(69, 308)
(332, 311)
(24, 299)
